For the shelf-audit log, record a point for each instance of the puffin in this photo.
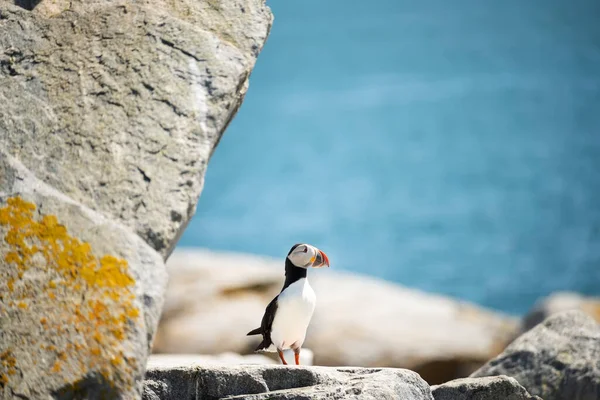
(287, 316)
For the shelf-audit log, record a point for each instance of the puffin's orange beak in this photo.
(321, 260)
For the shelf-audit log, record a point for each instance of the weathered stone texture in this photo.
(119, 104)
(487, 388)
(82, 295)
(557, 360)
(258, 382)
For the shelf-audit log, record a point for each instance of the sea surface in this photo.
(448, 146)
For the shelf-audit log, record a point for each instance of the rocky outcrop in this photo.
(283, 382)
(81, 295)
(119, 104)
(109, 113)
(214, 299)
(557, 303)
(169, 381)
(488, 388)
(557, 360)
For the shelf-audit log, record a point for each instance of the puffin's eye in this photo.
(305, 250)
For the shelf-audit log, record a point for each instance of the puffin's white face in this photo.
(305, 256)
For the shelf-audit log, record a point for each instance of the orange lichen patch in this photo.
(56, 367)
(117, 360)
(133, 313)
(97, 337)
(7, 367)
(7, 359)
(84, 298)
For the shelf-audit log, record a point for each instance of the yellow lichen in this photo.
(87, 295)
(116, 360)
(7, 367)
(56, 367)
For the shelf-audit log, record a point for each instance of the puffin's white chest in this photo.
(295, 307)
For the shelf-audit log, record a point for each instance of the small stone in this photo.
(488, 388)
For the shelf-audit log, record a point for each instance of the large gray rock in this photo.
(109, 112)
(557, 360)
(213, 299)
(81, 295)
(119, 104)
(257, 382)
(488, 388)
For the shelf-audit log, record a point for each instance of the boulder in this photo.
(81, 296)
(119, 104)
(110, 111)
(557, 360)
(214, 299)
(255, 382)
(557, 303)
(488, 388)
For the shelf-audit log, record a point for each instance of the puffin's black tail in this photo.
(264, 345)
(257, 331)
(266, 342)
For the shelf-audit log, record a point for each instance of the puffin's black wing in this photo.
(266, 324)
(267, 320)
(257, 331)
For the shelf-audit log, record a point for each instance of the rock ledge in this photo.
(254, 382)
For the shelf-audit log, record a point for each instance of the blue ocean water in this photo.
(448, 146)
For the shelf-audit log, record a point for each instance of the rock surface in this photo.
(214, 299)
(488, 388)
(81, 295)
(283, 382)
(557, 303)
(557, 360)
(119, 104)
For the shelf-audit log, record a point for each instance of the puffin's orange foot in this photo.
(282, 358)
(297, 357)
